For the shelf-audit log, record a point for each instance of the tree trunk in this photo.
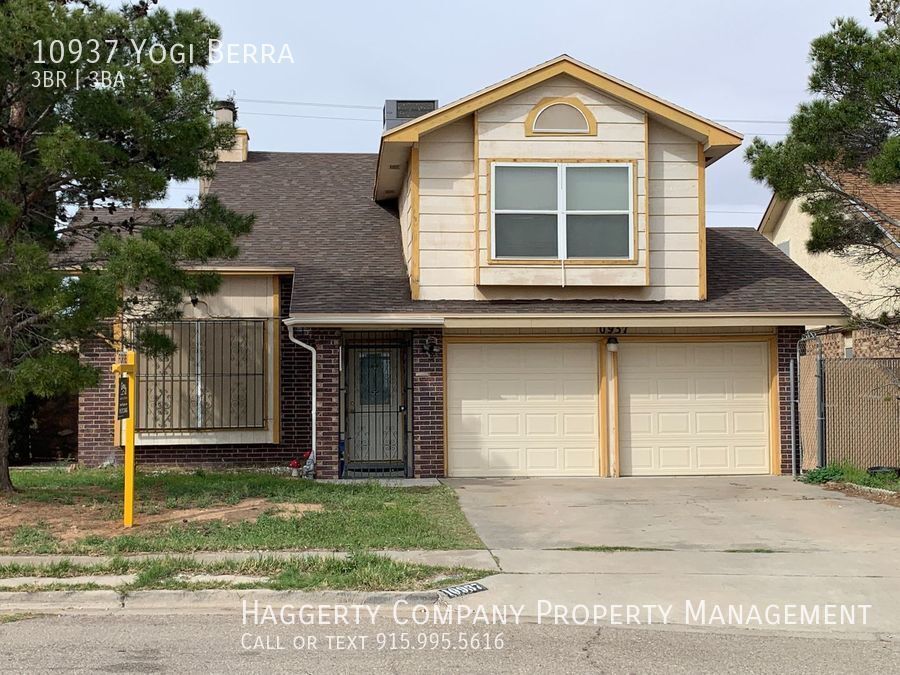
(5, 482)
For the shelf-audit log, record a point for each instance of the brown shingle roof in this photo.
(315, 214)
(884, 197)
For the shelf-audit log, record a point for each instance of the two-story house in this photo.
(520, 283)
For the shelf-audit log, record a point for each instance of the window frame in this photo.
(562, 211)
(198, 374)
(537, 118)
(572, 101)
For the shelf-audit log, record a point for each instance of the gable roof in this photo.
(315, 213)
(718, 140)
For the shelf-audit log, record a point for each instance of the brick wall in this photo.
(868, 343)
(872, 343)
(96, 409)
(95, 420)
(787, 337)
(428, 403)
(327, 342)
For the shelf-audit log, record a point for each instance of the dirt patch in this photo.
(70, 522)
(891, 499)
(246, 509)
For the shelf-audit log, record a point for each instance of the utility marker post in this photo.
(125, 410)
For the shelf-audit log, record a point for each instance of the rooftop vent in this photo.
(400, 112)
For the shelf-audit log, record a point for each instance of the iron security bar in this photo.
(215, 379)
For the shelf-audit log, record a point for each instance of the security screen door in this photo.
(376, 410)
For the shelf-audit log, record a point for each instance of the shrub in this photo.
(824, 474)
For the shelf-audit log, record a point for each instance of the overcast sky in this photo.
(727, 60)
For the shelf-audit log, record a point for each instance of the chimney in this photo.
(401, 112)
(226, 113)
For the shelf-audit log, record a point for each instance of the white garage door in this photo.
(693, 408)
(517, 409)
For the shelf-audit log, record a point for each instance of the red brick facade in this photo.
(787, 350)
(427, 407)
(96, 409)
(327, 343)
(95, 418)
(428, 402)
(868, 343)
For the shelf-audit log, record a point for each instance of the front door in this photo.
(376, 411)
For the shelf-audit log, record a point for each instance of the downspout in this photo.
(310, 467)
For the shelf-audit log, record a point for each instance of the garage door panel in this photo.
(542, 390)
(539, 416)
(542, 424)
(712, 388)
(673, 389)
(674, 422)
(542, 459)
(503, 424)
(711, 355)
(580, 459)
(708, 423)
(674, 457)
(749, 388)
(580, 390)
(580, 424)
(749, 456)
(472, 424)
(671, 356)
(714, 457)
(693, 408)
(749, 422)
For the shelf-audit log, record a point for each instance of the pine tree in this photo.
(89, 121)
(843, 142)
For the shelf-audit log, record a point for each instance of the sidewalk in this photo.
(474, 558)
(538, 579)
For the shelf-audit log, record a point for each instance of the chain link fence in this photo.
(848, 409)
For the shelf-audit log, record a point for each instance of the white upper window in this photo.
(562, 211)
(562, 118)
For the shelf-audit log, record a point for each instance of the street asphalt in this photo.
(116, 643)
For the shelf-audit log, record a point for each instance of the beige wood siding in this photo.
(454, 256)
(404, 207)
(621, 135)
(674, 215)
(446, 213)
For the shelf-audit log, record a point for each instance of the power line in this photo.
(361, 106)
(312, 117)
(754, 121)
(311, 104)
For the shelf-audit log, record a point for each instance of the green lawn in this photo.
(845, 473)
(358, 571)
(355, 515)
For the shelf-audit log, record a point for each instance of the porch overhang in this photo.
(534, 320)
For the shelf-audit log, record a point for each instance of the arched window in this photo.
(560, 116)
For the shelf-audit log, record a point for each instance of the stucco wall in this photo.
(856, 286)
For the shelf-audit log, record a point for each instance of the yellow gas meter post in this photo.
(125, 411)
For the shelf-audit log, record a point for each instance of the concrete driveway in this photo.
(687, 513)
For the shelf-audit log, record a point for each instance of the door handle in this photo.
(403, 408)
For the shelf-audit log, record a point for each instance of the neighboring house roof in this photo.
(885, 198)
(718, 140)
